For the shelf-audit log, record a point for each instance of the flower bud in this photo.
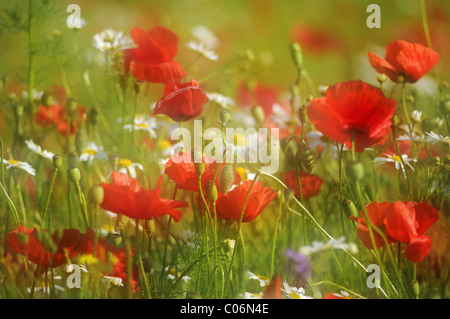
(57, 161)
(211, 192)
(114, 161)
(401, 79)
(97, 194)
(297, 56)
(302, 114)
(416, 288)
(81, 141)
(305, 160)
(355, 171)
(395, 121)
(381, 78)
(75, 175)
(226, 178)
(416, 116)
(199, 168)
(46, 99)
(18, 110)
(323, 90)
(225, 117)
(258, 114)
(349, 208)
(71, 106)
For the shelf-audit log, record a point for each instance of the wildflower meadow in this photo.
(224, 150)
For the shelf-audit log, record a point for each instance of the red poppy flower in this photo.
(310, 183)
(56, 115)
(258, 94)
(152, 61)
(353, 108)
(410, 60)
(316, 40)
(181, 101)
(229, 206)
(125, 196)
(43, 249)
(181, 169)
(403, 222)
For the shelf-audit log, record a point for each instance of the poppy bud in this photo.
(381, 78)
(395, 121)
(18, 110)
(355, 171)
(199, 168)
(309, 98)
(211, 192)
(97, 194)
(258, 114)
(121, 222)
(57, 161)
(349, 208)
(416, 288)
(297, 56)
(302, 114)
(225, 116)
(226, 178)
(75, 175)
(427, 125)
(46, 99)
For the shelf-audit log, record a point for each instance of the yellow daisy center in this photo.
(164, 144)
(125, 162)
(294, 295)
(242, 173)
(142, 125)
(262, 277)
(173, 272)
(90, 151)
(13, 162)
(88, 259)
(396, 158)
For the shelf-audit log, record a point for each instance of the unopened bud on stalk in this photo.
(401, 79)
(18, 110)
(226, 178)
(225, 117)
(297, 56)
(258, 114)
(305, 160)
(309, 98)
(81, 141)
(323, 89)
(97, 194)
(75, 175)
(46, 99)
(199, 168)
(355, 171)
(57, 161)
(349, 208)
(416, 288)
(381, 78)
(71, 106)
(302, 115)
(211, 191)
(410, 98)
(395, 121)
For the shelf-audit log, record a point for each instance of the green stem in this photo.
(405, 110)
(44, 215)
(275, 233)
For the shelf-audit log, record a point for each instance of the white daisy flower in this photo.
(38, 150)
(250, 295)
(263, 280)
(434, 138)
(224, 101)
(115, 281)
(416, 116)
(109, 39)
(189, 237)
(317, 139)
(205, 35)
(126, 166)
(415, 138)
(201, 48)
(91, 152)
(36, 95)
(280, 116)
(21, 165)
(396, 160)
(143, 123)
(291, 292)
(331, 244)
